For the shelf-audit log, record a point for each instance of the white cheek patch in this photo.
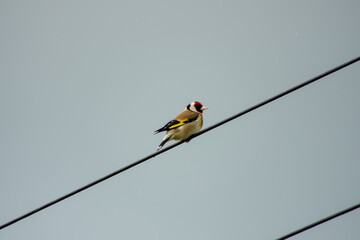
(192, 108)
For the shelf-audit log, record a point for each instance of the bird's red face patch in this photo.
(198, 104)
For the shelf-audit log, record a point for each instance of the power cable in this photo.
(180, 142)
(319, 222)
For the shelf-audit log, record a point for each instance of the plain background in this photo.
(83, 85)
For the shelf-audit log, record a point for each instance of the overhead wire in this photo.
(180, 142)
(321, 221)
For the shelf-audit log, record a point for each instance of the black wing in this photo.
(167, 126)
(175, 124)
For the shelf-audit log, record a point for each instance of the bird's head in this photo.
(196, 107)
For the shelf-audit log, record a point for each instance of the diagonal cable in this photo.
(181, 142)
(331, 217)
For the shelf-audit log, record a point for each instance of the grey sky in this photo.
(83, 85)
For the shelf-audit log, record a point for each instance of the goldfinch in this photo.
(183, 125)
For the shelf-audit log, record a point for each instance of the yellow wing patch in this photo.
(182, 122)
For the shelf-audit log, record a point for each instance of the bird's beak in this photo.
(203, 108)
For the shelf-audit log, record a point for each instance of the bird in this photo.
(183, 125)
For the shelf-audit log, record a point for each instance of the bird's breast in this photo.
(187, 130)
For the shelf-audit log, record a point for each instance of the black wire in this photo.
(319, 222)
(178, 143)
(277, 96)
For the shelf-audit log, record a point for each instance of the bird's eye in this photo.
(198, 107)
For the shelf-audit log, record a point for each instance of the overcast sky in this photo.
(83, 85)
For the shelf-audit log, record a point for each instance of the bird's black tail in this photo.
(160, 130)
(163, 143)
